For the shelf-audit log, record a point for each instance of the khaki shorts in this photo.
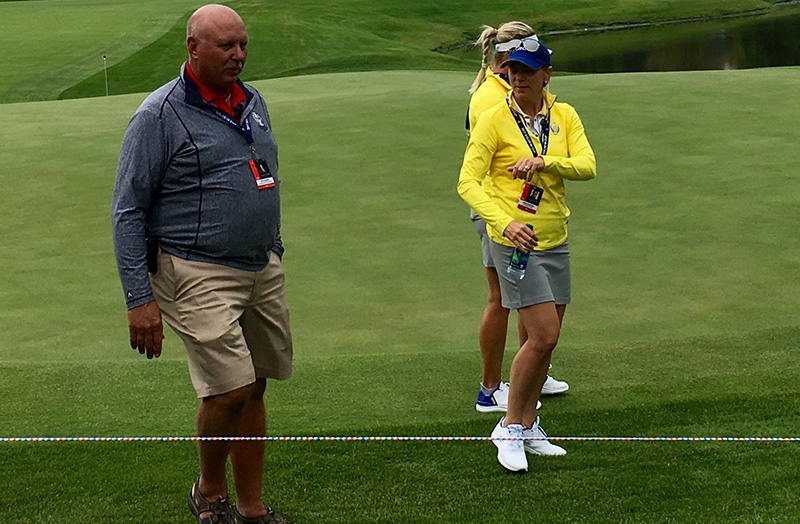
(234, 323)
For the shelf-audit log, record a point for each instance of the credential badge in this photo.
(554, 127)
(258, 120)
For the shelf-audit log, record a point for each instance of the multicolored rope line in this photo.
(394, 439)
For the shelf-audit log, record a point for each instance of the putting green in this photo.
(688, 229)
(683, 321)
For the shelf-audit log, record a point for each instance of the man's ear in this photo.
(191, 45)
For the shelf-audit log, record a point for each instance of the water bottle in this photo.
(519, 261)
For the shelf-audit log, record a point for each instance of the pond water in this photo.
(745, 42)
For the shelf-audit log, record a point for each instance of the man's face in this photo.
(218, 53)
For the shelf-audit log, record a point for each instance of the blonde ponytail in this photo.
(486, 40)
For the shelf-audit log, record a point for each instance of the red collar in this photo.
(237, 95)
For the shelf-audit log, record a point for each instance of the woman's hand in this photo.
(526, 168)
(521, 236)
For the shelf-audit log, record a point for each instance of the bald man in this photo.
(196, 226)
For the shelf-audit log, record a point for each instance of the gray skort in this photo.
(547, 278)
(480, 227)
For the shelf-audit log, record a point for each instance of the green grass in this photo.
(435, 482)
(58, 44)
(49, 45)
(684, 319)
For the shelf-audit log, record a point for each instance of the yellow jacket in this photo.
(496, 144)
(492, 91)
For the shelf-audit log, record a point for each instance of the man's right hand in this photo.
(146, 329)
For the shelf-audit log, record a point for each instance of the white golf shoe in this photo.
(496, 401)
(541, 446)
(552, 386)
(510, 453)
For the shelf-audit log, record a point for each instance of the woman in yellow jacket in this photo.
(489, 89)
(527, 145)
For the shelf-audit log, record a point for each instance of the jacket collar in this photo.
(549, 99)
(498, 77)
(193, 96)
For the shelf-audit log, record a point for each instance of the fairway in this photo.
(683, 322)
(50, 52)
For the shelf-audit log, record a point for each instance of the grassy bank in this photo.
(64, 41)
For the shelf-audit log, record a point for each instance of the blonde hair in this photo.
(491, 36)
